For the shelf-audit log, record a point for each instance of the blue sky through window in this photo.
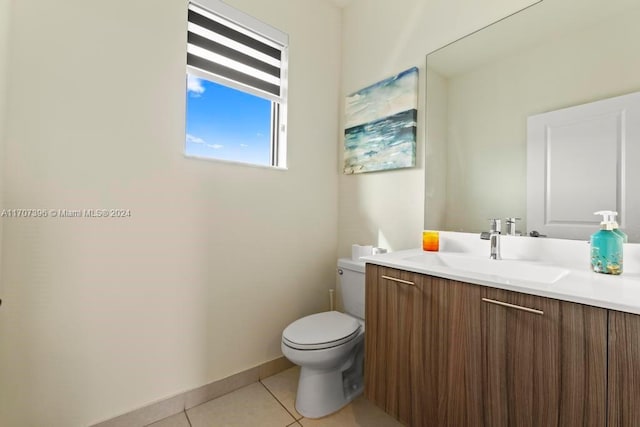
(225, 123)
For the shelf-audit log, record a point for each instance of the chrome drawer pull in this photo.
(518, 307)
(393, 279)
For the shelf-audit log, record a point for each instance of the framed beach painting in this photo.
(380, 125)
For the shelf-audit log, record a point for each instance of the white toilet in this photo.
(329, 347)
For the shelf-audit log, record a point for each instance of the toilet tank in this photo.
(351, 276)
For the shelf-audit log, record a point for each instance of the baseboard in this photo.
(173, 405)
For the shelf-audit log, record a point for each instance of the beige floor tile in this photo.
(177, 420)
(359, 413)
(249, 406)
(284, 386)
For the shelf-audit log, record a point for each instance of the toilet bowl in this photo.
(329, 348)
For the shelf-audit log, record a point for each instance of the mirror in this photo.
(482, 88)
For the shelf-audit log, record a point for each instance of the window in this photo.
(236, 87)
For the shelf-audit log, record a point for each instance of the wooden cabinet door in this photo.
(393, 342)
(624, 369)
(452, 364)
(545, 367)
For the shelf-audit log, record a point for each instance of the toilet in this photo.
(329, 348)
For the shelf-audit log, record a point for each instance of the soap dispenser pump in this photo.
(606, 246)
(610, 216)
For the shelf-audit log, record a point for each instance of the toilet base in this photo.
(323, 392)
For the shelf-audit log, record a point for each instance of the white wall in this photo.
(5, 11)
(488, 140)
(381, 38)
(102, 316)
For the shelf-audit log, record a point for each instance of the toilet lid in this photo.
(321, 330)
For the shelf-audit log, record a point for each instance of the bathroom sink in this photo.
(505, 268)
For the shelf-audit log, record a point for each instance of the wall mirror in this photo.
(482, 89)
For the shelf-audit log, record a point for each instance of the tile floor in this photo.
(270, 402)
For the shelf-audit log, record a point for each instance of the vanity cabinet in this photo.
(479, 356)
(451, 360)
(544, 361)
(394, 342)
(624, 369)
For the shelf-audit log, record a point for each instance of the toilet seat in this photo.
(321, 330)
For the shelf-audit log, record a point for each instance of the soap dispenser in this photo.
(606, 246)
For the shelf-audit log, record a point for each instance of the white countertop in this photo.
(579, 284)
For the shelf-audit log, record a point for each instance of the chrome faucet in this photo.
(493, 235)
(511, 226)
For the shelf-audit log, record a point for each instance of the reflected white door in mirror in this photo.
(581, 160)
